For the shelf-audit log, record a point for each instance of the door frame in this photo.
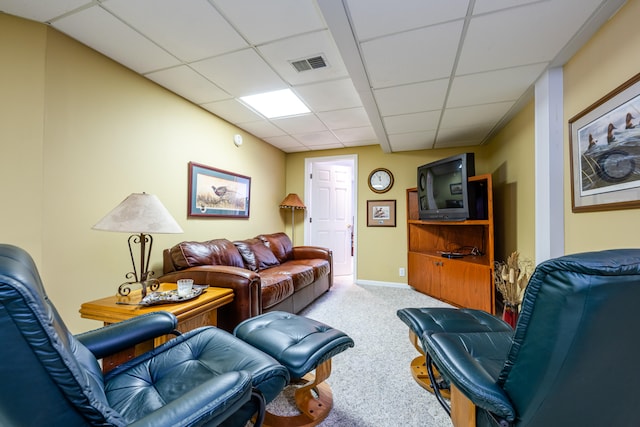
(348, 159)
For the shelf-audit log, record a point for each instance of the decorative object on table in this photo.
(511, 278)
(381, 213)
(217, 193)
(380, 180)
(141, 214)
(184, 287)
(173, 296)
(604, 140)
(293, 202)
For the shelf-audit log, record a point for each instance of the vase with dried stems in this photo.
(511, 279)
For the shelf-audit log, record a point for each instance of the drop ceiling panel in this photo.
(286, 143)
(189, 84)
(342, 119)
(477, 115)
(331, 95)
(190, 30)
(300, 124)
(284, 17)
(485, 6)
(408, 57)
(365, 133)
(493, 86)
(232, 111)
(382, 17)
(240, 73)
(412, 141)
(411, 98)
(103, 32)
(317, 139)
(262, 129)
(38, 10)
(427, 120)
(281, 53)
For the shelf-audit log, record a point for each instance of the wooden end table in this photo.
(200, 311)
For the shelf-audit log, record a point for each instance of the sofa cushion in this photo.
(255, 254)
(320, 267)
(280, 245)
(212, 252)
(301, 275)
(275, 289)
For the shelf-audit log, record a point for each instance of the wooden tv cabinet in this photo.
(463, 282)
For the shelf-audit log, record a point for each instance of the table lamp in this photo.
(141, 214)
(292, 201)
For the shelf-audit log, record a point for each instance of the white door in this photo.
(331, 214)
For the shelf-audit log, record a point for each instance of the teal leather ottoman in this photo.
(439, 319)
(301, 345)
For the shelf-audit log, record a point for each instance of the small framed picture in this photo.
(455, 188)
(217, 193)
(381, 213)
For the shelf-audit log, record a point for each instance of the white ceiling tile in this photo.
(408, 57)
(412, 141)
(262, 129)
(285, 142)
(475, 115)
(466, 135)
(361, 143)
(340, 119)
(101, 31)
(240, 73)
(487, 48)
(484, 6)
(365, 133)
(427, 120)
(190, 30)
(411, 98)
(332, 95)
(284, 17)
(38, 10)
(373, 18)
(189, 84)
(281, 53)
(304, 123)
(317, 138)
(232, 111)
(492, 86)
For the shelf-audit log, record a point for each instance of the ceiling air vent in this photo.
(309, 63)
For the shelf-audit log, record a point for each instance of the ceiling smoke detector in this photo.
(312, 63)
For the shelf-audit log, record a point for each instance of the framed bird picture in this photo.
(217, 193)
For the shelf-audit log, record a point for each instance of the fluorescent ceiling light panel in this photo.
(279, 103)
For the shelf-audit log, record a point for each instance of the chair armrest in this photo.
(472, 362)
(122, 335)
(210, 403)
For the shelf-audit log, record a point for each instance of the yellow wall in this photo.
(610, 58)
(510, 154)
(80, 133)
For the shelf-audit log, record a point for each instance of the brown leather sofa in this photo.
(266, 273)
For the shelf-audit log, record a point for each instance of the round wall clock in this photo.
(380, 180)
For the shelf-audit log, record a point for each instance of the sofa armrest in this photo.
(309, 252)
(116, 337)
(246, 286)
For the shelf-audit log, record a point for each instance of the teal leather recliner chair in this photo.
(49, 377)
(572, 360)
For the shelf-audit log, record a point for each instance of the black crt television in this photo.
(444, 193)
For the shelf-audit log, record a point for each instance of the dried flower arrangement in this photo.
(511, 279)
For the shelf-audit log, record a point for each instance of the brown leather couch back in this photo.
(212, 252)
(280, 245)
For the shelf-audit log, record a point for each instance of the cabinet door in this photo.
(424, 273)
(467, 284)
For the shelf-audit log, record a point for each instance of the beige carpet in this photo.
(371, 382)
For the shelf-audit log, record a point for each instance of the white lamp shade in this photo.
(139, 213)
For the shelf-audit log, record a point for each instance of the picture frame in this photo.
(455, 188)
(381, 213)
(216, 193)
(604, 145)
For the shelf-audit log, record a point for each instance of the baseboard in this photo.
(387, 284)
